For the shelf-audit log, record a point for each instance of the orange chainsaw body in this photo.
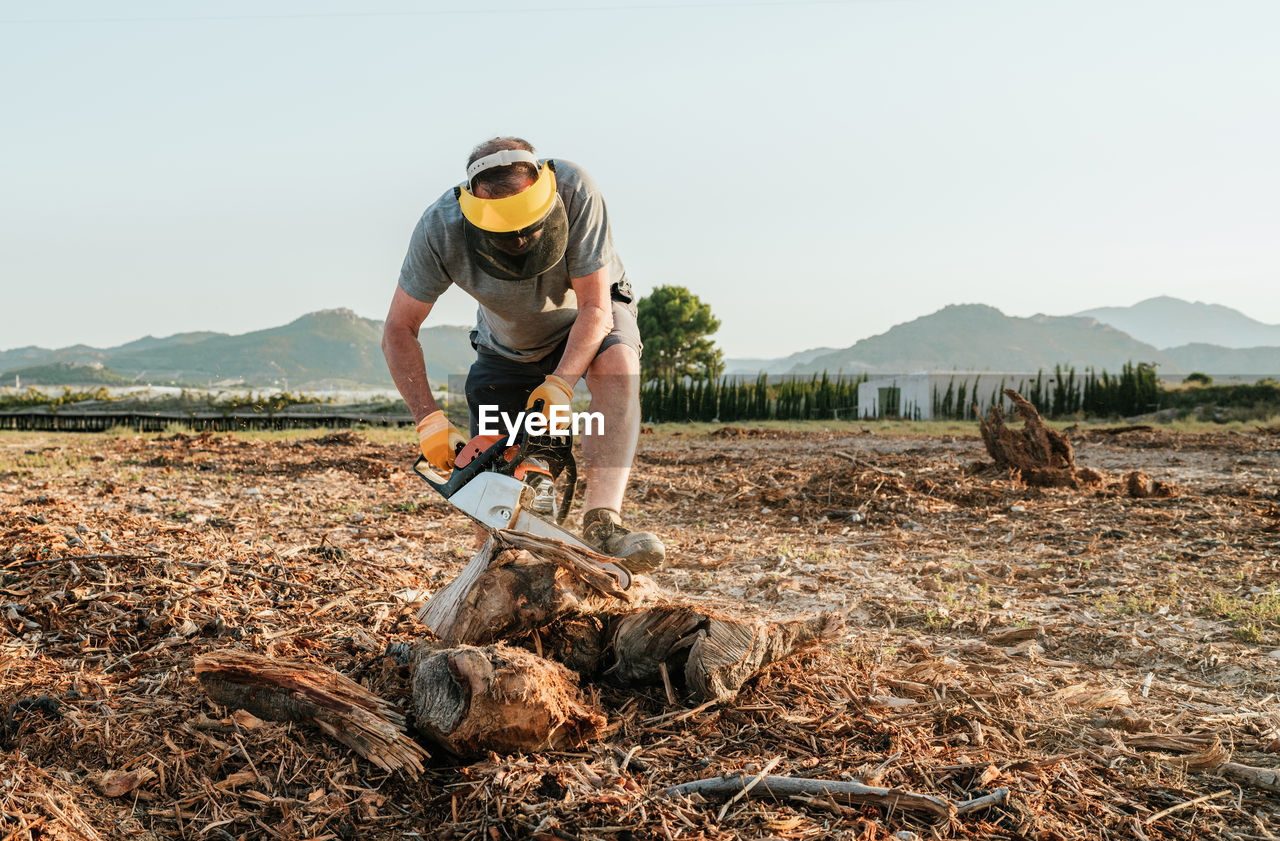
(480, 443)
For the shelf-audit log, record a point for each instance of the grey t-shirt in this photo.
(522, 320)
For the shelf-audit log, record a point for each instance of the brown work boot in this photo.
(638, 551)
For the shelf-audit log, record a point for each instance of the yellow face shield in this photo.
(520, 236)
(513, 213)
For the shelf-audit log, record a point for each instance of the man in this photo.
(529, 239)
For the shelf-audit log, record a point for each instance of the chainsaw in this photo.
(505, 482)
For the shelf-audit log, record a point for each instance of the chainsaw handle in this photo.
(461, 475)
(447, 487)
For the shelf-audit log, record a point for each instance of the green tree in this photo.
(675, 326)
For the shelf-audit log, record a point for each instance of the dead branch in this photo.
(839, 790)
(995, 798)
(869, 466)
(1267, 779)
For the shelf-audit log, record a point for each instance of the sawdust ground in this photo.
(1092, 652)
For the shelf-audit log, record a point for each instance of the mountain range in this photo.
(339, 349)
(977, 337)
(325, 349)
(1170, 322)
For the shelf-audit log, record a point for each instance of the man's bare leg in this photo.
(614, 380)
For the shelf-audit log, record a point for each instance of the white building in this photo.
(928, 394)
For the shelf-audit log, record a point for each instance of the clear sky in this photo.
(817, 172)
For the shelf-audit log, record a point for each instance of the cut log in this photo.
(716, 654)
(729, 652)
(519, 583)
(1040, 456)
(578, 642)
(283, 690)
(498, 698)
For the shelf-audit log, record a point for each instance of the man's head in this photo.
(514, 220)
(501, 181)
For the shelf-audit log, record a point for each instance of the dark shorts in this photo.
(495, 380)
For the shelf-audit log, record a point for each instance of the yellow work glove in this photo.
(554, 391)
(439, 440)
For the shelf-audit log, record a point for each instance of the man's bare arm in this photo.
(403, 353)
(594, 321)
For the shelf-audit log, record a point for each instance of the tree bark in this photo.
(282, 690)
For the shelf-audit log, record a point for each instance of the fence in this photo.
(198, 421)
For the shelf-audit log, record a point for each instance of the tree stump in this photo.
(519, 585)
(1038, 455)
(498, 698)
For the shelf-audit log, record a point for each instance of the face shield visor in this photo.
(520, 236)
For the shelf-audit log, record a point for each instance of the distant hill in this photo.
(31, 355)
(151, 342)
(1170, 322)
(326, 348)
(774, 366)
(976, 337)
(65, 373)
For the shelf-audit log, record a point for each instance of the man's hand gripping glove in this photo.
(554, 391)
(439, 440)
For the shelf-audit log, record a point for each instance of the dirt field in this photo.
(1099, 655)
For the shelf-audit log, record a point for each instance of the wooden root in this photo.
(1207, 754)
(498, 698)
(282, 690)
(1041, 456)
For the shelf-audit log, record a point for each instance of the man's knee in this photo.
(618, 366)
